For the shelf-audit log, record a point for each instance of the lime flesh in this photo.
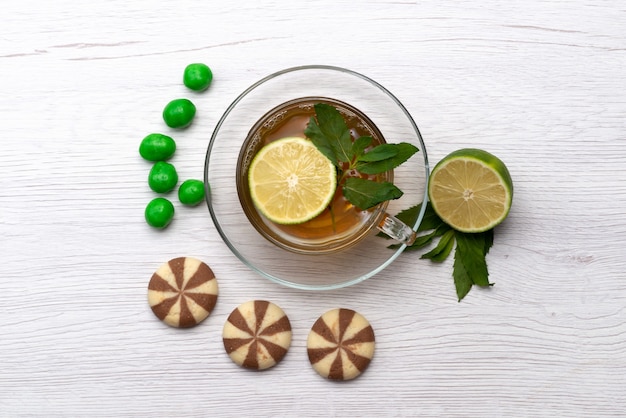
(291, 181)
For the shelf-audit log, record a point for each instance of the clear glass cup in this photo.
(232, 145)
(341, 225)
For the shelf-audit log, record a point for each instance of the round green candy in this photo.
(163, 177)
(159, 212)
(157, 147)
(179, 113)
(197, 76)
(191, 192)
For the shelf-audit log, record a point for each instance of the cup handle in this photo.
(397, 229)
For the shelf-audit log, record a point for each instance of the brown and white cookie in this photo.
(341, 344)
(183, 292)
(257, 335)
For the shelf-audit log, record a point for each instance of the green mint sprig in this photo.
(470, 264)
(330, 134)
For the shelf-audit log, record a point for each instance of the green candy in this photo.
(159, 212)
(179, 113)
(197, 76)
(157, 147)
(191, 192)
(163, 177)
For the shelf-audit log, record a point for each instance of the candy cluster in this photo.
(159, 148)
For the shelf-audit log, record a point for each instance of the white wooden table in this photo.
(541, 84)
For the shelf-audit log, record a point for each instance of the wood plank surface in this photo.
(541, 84)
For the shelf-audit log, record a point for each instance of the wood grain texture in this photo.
(538, 83)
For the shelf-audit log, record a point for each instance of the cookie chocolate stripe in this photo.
(257, 335)
(279, 326)
(183, 292)
(340, 345)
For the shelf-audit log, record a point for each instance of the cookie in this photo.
(257, 335)
(341, 344)
(183, 292)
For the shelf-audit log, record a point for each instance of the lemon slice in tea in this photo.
(471, 190)
(291, 181)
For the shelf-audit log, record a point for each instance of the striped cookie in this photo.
(341, 344)
(257, 335)
(182, 292)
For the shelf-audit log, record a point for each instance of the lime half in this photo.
(291, 181)
(471, 190)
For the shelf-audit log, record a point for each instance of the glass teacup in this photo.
(313, 270)
(341, 225)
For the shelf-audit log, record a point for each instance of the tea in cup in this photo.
(341, 224)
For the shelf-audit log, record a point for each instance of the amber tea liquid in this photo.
(341, 224)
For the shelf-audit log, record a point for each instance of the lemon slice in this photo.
(471, 190)
(291, 181)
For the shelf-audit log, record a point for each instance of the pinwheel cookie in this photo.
(183, 292)
(257, 335)
(341, 344)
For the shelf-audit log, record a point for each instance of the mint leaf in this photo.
(462, 281)
(359, 145)
(329, 132)
(471, 253)
(321, 142)
(404, 152)
(334, 128)
(379, 153)
(443, 249)
(424, 240)
(429, 221)
(409, 216)
(488, 240)
(470, 264)
(365, 194)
